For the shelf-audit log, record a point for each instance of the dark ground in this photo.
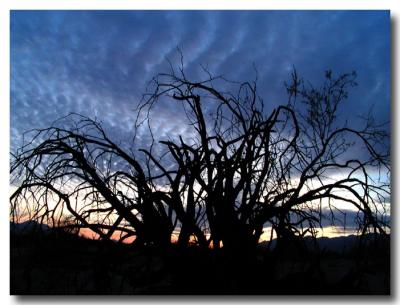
(59, 263)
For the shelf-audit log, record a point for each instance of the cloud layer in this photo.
(98, 63)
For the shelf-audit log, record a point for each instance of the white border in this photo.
(6, 5)
(192, 4)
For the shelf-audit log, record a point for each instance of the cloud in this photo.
(347, 218)
(98, 63)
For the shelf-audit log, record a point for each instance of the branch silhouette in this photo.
(244, 170)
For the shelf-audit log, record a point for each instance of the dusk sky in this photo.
(98, 63)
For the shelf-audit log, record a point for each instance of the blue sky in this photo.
(98, 63)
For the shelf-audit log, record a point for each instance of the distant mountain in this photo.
(339, 244)
(28, 227)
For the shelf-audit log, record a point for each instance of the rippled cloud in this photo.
(98, 63)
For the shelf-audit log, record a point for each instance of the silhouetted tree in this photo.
(243, 170)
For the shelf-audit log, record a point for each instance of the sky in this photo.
(99, 63)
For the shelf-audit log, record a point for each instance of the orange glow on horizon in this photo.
(329, 232)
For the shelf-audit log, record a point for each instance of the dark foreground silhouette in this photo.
(55, 262)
